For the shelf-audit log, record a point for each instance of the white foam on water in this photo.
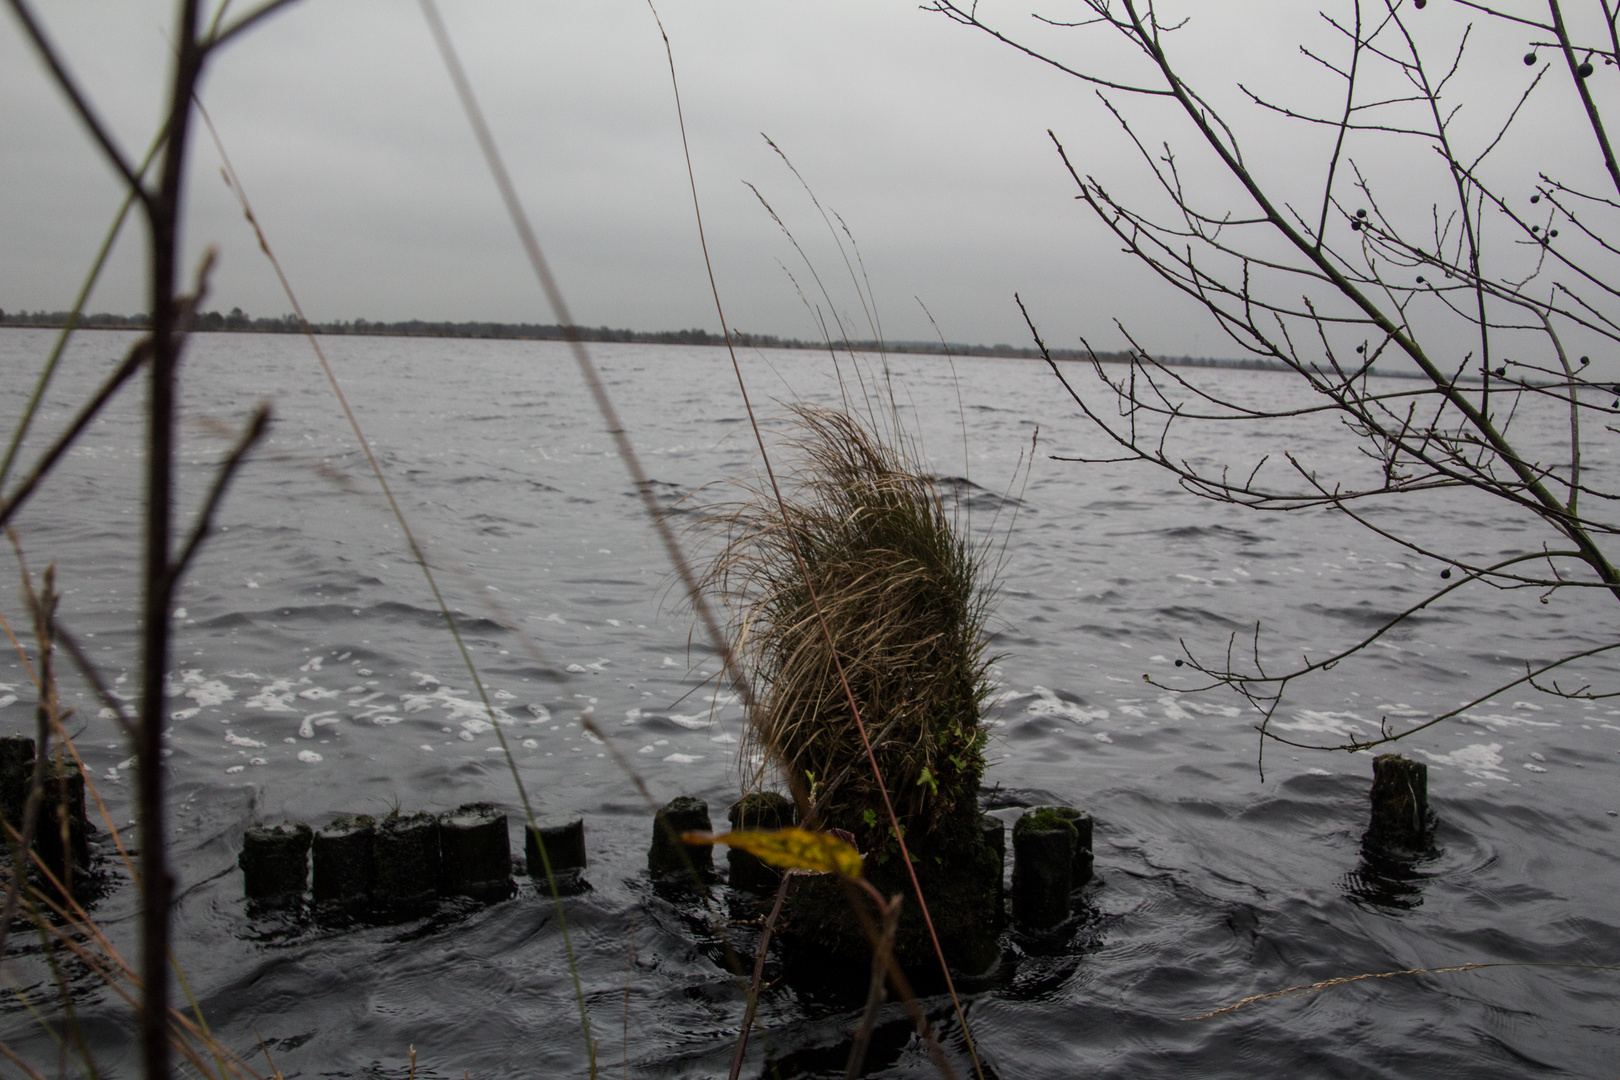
(1324, 722)
(1193, 705)
(504, 695)
(691, 723)
(317, 693)
(1102, 736)
(275, 696)
(576, 669)
(723, 737)
(424, 679)
(308, 757)
(233, 739)
(368, 699)
(1317, 772)
(205, 692)
(1481, 760)
(8, 699)
(669, 662)
(235, 768)
(306, 729)
(683, 759)
(530, 744)
(312, 664)
(470, 713)
(1047, 703)
(1502, 720)
(382, 719)
(1534, 768)
(542, 715)
(184, 714)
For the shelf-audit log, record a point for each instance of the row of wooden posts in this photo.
(405, 859)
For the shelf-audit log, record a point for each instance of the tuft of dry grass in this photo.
(905, 598)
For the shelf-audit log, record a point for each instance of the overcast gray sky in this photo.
(927, 137)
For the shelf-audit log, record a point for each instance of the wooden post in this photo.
(1400, 802)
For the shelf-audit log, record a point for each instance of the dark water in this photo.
(314, 676)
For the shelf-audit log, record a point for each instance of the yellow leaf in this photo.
(790, 849)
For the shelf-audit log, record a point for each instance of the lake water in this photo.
(314, 676)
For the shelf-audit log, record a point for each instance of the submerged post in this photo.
(275, 861)
(406, 850)
(16, 772)
(1044, 843)
(477, 852)
(344, 857)
(756, 810)
(61, 837)
(562, 839)
(668, 855)
(1400, 802)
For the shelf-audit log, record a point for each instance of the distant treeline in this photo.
(236, 321)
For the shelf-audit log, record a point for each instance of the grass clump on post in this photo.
(904, 599)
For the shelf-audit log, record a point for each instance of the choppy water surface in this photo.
(313, 675)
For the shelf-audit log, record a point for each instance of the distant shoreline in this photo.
(238, 323)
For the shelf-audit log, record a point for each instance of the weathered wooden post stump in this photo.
(756, 810)
(1044, 843)
(406, 854)
(667, 854)
(476, 850)
(1400, 802)
(61, 837)
(344, 856)
(275, 861)
(16, 773)
(561, 840)
(1081, 866)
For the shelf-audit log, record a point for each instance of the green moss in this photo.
(1046, 819)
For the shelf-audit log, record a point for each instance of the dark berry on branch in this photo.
(1553, 232)
(1178, 663)
(1420, 4)
(1501, 372)
(1535, 198)
(1361, 213)
(1585, 70)
(1446, 572)
(1355, 225)
(1420, 279)
(1361, 348)
(1529, 58)
(1585, 360)
(1535, 228)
